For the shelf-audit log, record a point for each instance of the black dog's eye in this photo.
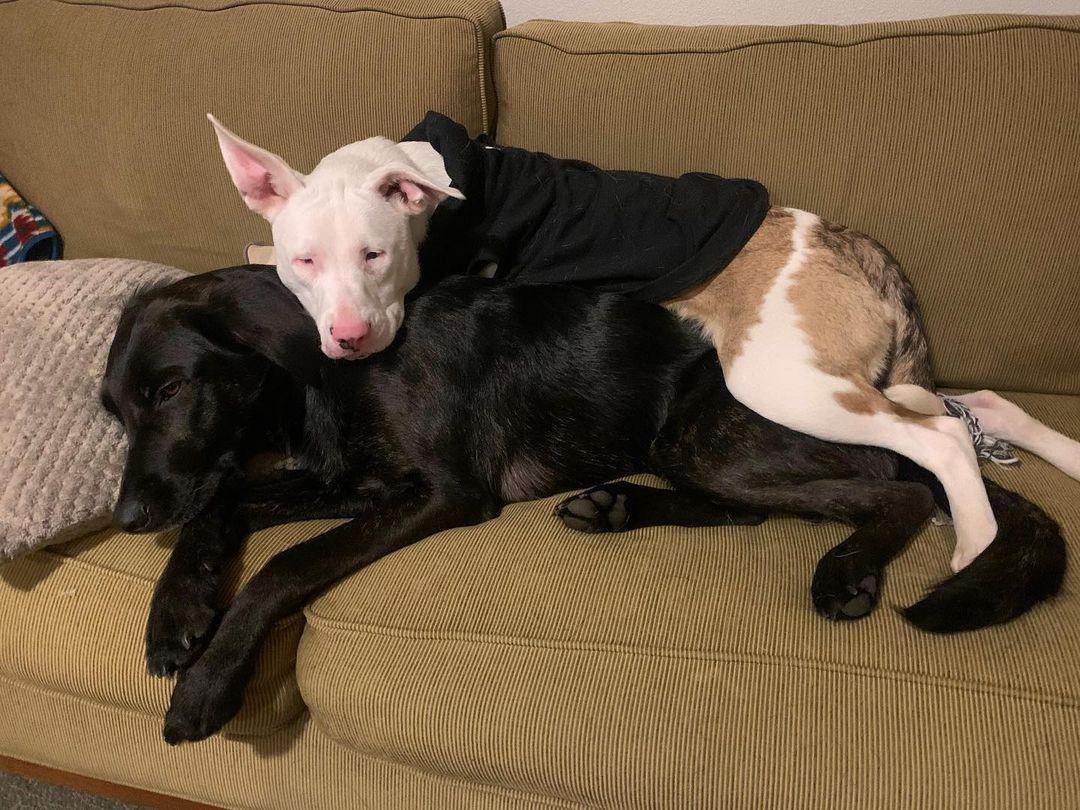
(169, 390)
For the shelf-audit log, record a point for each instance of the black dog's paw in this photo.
(201, 704)
(595, 510)
(845, 587)
(177, 631)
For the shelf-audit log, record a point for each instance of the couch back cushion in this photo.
(952, 141)
(105, 124)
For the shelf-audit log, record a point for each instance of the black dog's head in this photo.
(186, 375)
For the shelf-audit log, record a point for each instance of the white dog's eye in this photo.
(307, 260)
(372, 255)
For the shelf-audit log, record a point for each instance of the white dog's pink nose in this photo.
(349, 333)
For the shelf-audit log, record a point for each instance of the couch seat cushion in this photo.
(687, 668)
(74, 617)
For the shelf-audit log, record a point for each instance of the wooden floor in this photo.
(120, 793)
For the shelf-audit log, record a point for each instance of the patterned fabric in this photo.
(25, 234)
(987, 447)
(61, 454)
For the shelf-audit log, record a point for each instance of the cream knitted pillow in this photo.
(61, 454)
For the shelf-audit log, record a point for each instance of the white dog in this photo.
(815, 325)
(345, 236)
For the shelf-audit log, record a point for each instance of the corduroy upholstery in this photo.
(686, 667)
(512, 663)
(948, 140)
(516, 664)
(295, 768)
(82, 608)
(105, 124)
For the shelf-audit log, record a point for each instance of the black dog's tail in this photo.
(1023, 566)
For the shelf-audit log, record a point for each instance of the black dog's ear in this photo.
(296, 352)
(271, 324)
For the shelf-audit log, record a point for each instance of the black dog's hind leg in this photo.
(847, 580)
(208, 694)
(184, 609)
(712, 444)
(622, 505)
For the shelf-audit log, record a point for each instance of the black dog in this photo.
(492, 393)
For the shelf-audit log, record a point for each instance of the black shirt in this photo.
(547, 220)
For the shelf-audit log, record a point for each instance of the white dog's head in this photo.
(346, 235)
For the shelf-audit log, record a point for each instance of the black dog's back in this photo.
(541, 387)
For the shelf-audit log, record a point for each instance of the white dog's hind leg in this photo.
(800, 334)
(1010, 422)
(776, 372)
(942, 445)
(823, 407)
(916, 398)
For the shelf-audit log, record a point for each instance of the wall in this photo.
(770, 12)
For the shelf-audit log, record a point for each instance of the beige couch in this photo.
(517, 664)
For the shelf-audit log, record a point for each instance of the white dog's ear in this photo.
(409, 190)
(264, 180)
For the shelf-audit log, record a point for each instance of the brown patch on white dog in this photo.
(849, 327)
(729, 304)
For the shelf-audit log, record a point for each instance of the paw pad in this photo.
(841, 593)
(595, 510)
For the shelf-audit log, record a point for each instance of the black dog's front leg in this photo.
(622, 505)
(210, 693)
(304, 498)
(183, 609)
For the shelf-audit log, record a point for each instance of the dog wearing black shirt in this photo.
(815, 325)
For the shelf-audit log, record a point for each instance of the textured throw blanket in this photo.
(25, 234)
(61, 454)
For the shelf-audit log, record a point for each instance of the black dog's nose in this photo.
(131, 515)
